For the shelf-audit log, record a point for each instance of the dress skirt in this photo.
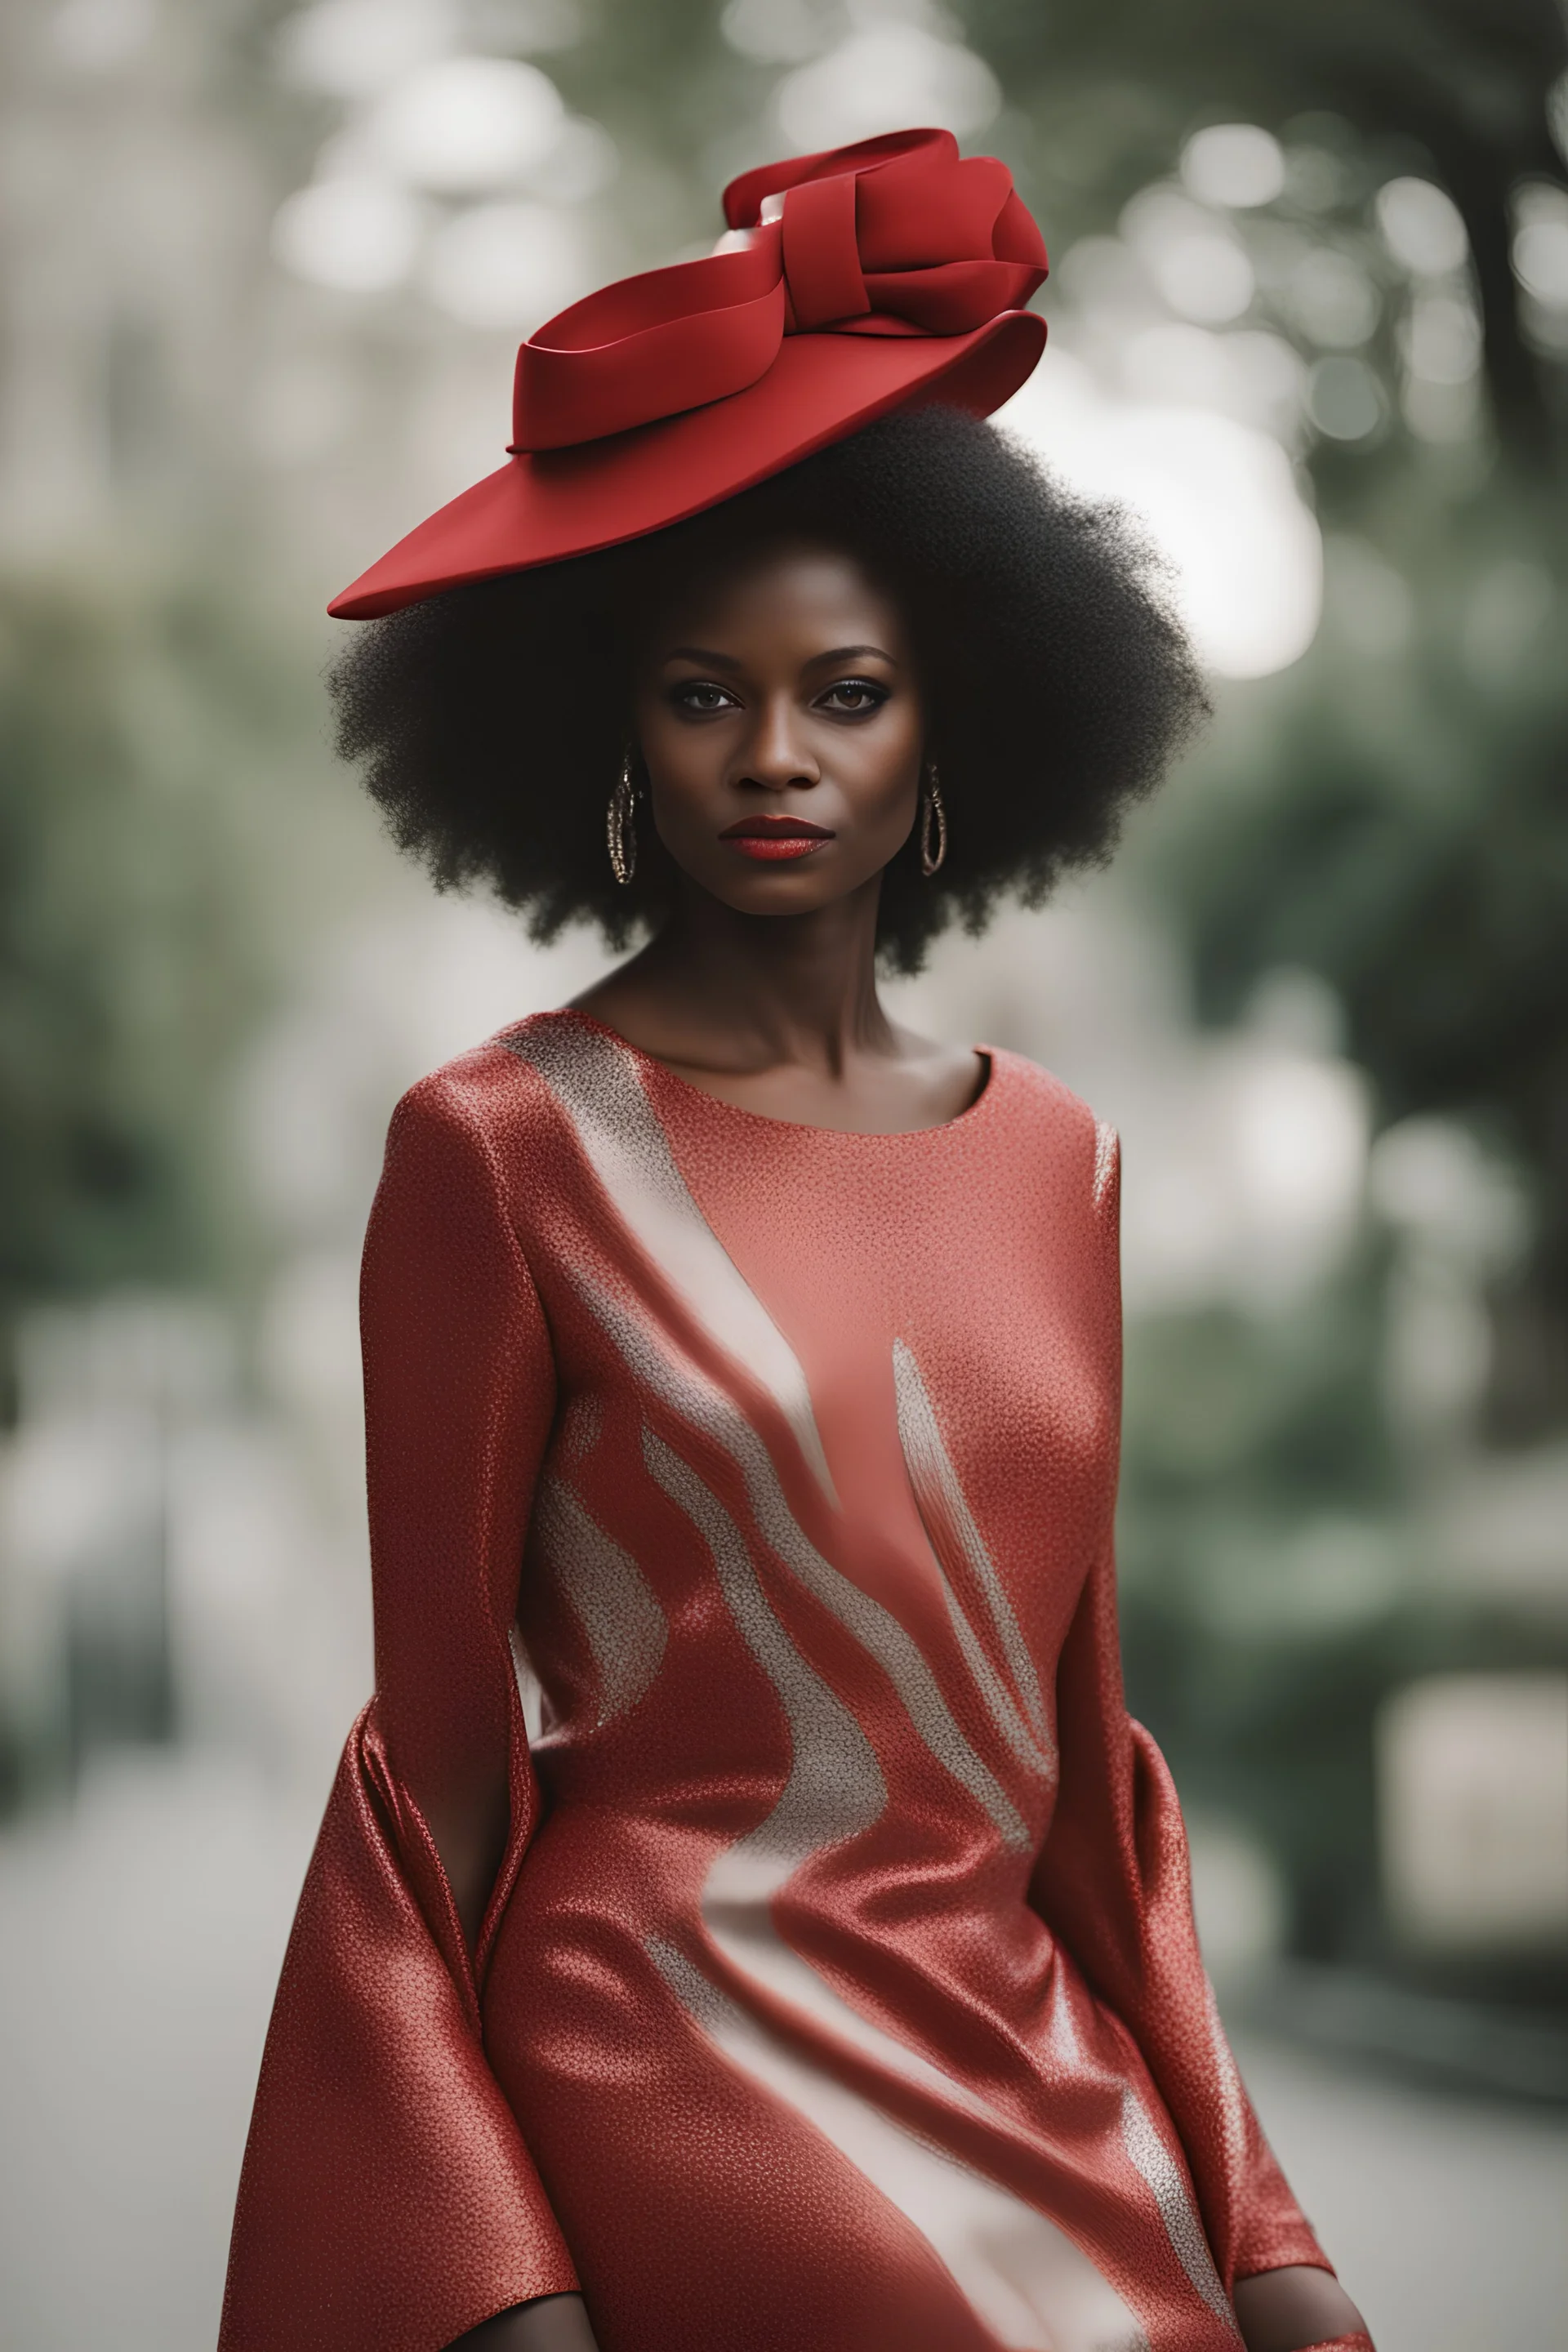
(741, 1498)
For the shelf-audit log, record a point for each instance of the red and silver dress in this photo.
(840, 1991)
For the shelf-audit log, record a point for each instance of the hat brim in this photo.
(544, 508)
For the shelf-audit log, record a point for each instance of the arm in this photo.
(460, 1390)
(1112, 1881)
(389, 2200)
(459, 1385)
(460, 1395)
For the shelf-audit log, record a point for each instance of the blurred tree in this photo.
(1412, 845)
(1461, 83)
(1398, 826)
(135, 729)
(1392, 814)
(1255, 1536)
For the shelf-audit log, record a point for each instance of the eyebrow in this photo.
(712, 660)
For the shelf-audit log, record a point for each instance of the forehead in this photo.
(791, 589)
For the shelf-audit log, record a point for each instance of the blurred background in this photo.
(262, 270)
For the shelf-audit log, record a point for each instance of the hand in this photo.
(555, 2323)
(1285, 2310)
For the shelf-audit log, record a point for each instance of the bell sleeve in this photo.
(1112, 1881)
(388, 2201)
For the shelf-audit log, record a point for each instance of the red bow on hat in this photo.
(899, 235)
(850, 284)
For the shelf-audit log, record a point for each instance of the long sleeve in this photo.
(388, 2201)
(1112, 1881)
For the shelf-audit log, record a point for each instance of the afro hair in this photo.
(493, 719)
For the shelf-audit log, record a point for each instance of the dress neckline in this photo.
(971, 1113)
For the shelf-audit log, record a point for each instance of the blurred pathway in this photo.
(140, 1938)
(140, 1941)
(1444, 2216)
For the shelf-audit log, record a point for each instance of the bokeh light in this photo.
(1233, 163)
(883, 78)
(466, 125)
(1422, 227)
(355, 232)
(1220, 501)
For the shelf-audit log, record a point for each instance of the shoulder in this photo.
(1039, 1100)
(482, 1109)
(471, 1151)
(1050, 1119)
(487, 1090)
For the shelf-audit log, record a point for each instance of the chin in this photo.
(777, 891)
(770, 899)
(784, 889)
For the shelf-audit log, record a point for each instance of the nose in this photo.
(775, 757)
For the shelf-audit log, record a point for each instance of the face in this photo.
(779, 718)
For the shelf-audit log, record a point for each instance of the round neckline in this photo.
(971, 1111)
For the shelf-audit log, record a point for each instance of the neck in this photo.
(756, 991)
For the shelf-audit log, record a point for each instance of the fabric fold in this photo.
(388, 2201)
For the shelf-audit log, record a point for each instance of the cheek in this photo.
(882, 783)
(684, 764)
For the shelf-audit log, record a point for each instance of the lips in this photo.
(775, 838)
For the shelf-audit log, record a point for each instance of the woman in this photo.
(823, 1976)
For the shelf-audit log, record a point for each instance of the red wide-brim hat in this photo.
(850, 284)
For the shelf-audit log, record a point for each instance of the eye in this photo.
(852, 697)
(702, 695)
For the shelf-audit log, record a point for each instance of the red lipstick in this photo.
(773, 838)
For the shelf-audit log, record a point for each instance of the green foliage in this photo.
(1457, 87)
(1400, 825)
(1279, 1410)
(1273, 1593)
(132, 726)
(1423, 868)
(1393, 815)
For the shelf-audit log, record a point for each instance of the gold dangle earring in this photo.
(934, 823)
(620, 824)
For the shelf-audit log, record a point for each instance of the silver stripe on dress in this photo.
(1014, 2266)
(1028, 2284)
(835, 1787)
(1105, 1158)
(689, 1392)
(833, 1791)
(1150, 2156)
(1233, 2098)
(530, 1690)
(608, 1594)
(1061, 2027)
(597, 1083)
(943, 1504)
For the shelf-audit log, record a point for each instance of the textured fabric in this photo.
(840, 1987)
